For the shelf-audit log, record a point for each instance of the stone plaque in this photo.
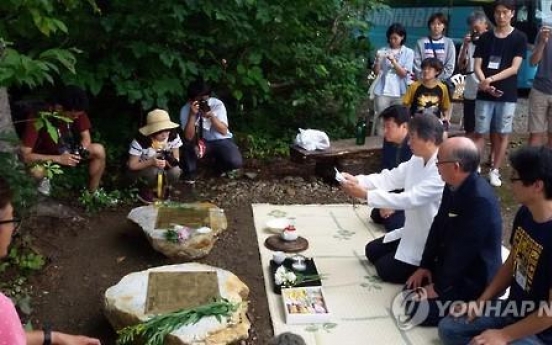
(193, 217)
(172, 291)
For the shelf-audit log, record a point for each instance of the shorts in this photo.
(540, 112)
(499, 115)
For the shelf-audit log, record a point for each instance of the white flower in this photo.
(291, 277)
(284, 277)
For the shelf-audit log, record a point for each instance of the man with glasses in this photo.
(525, 317)
(11, 330)
(462, 252)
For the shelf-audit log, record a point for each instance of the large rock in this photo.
(125, 306)
(195, 247)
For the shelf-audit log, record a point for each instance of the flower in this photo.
(287, 278)
(177, 234)
(284, 277)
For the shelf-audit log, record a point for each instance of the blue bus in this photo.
(413, 14)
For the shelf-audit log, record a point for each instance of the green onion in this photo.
(154, 330)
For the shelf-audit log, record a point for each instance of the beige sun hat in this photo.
(158, 120)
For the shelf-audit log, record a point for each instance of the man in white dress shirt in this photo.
(397, 254)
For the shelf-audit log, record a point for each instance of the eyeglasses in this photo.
(445, 162)
(16, 224)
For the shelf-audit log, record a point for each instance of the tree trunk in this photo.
(7, 130)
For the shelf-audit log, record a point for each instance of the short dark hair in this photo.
(198, 88)
(509, 4)
(433, 62)
(6, 194)
(427, 127)
(398, 113)
(437, 16)
(533, 164)
(73, 98)
(467, 158)
(396, 28)
(287, 338)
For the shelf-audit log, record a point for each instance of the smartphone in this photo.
(497, 93)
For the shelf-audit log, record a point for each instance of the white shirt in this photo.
(209, 133)
(146, 153)
(423, 188)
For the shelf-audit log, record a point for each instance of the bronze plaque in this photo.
(192, 215)
(172, 291)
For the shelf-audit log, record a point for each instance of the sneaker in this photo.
(44, 187)
(145, 195)
(189, 178)
(494, 178)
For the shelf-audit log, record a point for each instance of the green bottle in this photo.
(361, 131)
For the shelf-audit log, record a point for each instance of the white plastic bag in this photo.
(312, 139)
(371, 90)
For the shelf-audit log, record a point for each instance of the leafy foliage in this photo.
(154, 330)
(29, 54)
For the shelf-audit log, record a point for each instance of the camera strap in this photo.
(199, 129)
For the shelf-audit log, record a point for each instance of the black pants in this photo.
(469, 115)
(224, 152)
(389, 269)
(395, 221)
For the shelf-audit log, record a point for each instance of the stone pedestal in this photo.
(195, 247)
(124, 305)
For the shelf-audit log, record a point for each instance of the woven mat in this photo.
(359, 302)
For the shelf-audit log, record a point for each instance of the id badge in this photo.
(494, 62)
(521, 275)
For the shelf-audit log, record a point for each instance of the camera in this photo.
(474, 36)
(204, 106)
(67, 143)
(81, 151)
(168, 156)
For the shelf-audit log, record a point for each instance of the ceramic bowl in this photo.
(277, 225)
(289, 235)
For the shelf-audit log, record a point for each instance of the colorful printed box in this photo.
(305, 305)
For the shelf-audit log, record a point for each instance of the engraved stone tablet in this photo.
(172, 291)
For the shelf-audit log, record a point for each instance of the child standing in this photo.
(154, 156)
(429, 95)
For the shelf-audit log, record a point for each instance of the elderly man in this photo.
(462, 252)
(523, 318)
(397, 254)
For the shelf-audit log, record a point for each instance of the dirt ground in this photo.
(88, 256)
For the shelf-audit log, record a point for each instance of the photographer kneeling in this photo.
(204, 122)
(74, 145)
(153, 153)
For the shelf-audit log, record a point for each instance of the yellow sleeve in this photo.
(408, 97)
(446, 97)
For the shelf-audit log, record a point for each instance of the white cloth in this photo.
(420, 200)
(312, 139)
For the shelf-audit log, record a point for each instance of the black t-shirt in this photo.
(497, 55)
(532, 277)
(425, 100)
